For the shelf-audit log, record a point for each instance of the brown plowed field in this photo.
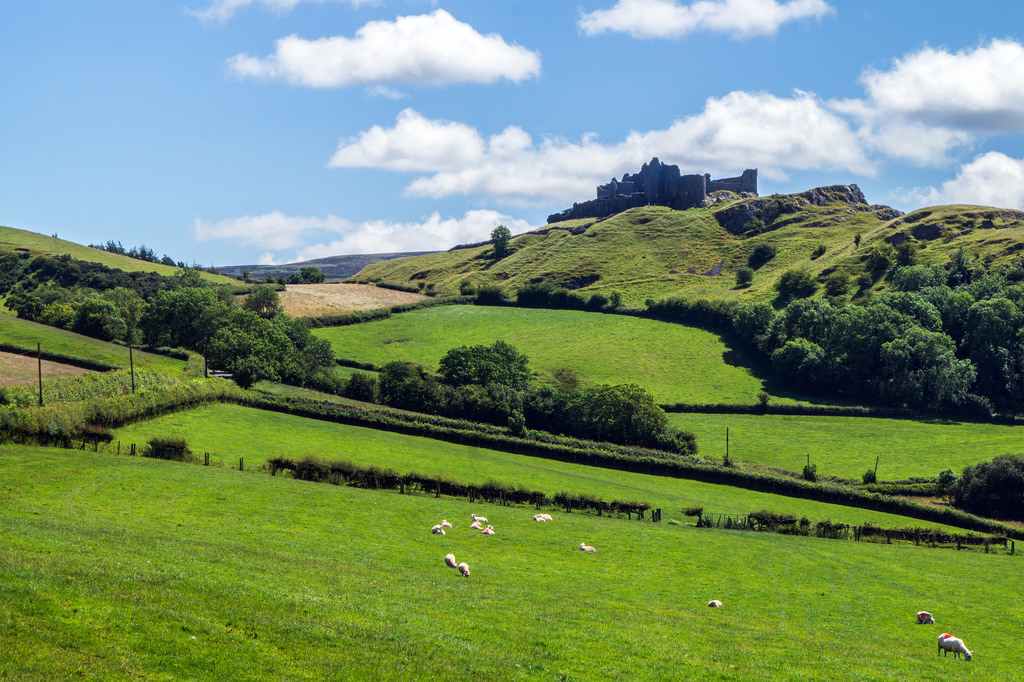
(312, 300)
(23, 370)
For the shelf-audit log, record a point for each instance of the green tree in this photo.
(500, 237)
(183, 317)
(744, 276)
(129, 306)
(311, 275)
(837, 284)
(795, 284)
(250, 347)
(99, 319)
(498, 363)
(264, 301)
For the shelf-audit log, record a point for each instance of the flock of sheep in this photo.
(947, 642)
(478, 521)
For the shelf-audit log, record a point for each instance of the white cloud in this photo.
(414, 144)
(305, 238)
(740, 130)
(670, 19)
(991, 179)
(429, 49)
(222, 10)
(979, 90)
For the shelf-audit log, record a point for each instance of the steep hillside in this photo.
(23, 241)
(656, 252)
(333, 267)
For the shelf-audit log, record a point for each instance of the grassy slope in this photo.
(675, 363)
(27, 334)
(37, 244)
(636, 251)
(210, 574)
(230, 432)
(847, 446)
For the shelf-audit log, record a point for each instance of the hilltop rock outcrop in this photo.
(742, 218)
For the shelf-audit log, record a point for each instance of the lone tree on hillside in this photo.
(499, 239)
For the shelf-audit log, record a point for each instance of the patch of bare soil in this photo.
(313, 300)
(23, 370)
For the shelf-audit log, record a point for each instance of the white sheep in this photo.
(464, 569)
(948, 642)
(476, 525)
(925, 618)
(547, 517)
(445, 524)
(449, 560)
(437, 530)
(587, 548)
(479, 519)
(542, 517)
(714, 603)
(489, 530)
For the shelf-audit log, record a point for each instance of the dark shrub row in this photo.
(381, 478)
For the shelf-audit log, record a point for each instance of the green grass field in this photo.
(125, 568)
(27, 334)
(674, 362)
(848, 446)
(231, 432)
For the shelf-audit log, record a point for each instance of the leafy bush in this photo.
(810, 472)
(744, 276)
(761, 254)
(994, 489)
(361, 387)
(795, 284)
(869, 477)
(172, 448)
(818, 252)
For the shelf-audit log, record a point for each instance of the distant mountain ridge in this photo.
(333, 267)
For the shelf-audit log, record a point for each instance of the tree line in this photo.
(253, 340)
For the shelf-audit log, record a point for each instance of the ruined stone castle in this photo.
(657, 184)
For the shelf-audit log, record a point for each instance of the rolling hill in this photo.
(655, 252)
(23, 241)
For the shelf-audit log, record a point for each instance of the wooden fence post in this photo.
(241, 463)
(207, 459)
(1013, 546)
(119, 447)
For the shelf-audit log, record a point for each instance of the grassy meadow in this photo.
(672, 361)
(125, 568)
(848, 446)
(27, 334)
(231, 432)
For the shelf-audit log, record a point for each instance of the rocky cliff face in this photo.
(742, 218)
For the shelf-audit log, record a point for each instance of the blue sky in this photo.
(255, 131)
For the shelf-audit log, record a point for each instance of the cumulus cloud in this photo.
(991, 179)
(429, 49)
(670, 19)
(980, 89)
(305, 238)
(734, 132)
(222, 10)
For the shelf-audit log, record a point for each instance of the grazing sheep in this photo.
(437, 530)
(948, 642)
(547, 517)
(464, 569)
(476, 525)
(479, 519)
(714, 603)
(542, 517)
(449, 560)
(587, 548)
(489, 530)
(445, 524)
(925, 618)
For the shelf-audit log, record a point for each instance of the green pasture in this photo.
(848, 446)
(27, 334)
(126, 568)
(674, 362)
(231, 432)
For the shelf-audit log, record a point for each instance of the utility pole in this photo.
(39, 358)
(131, 363)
